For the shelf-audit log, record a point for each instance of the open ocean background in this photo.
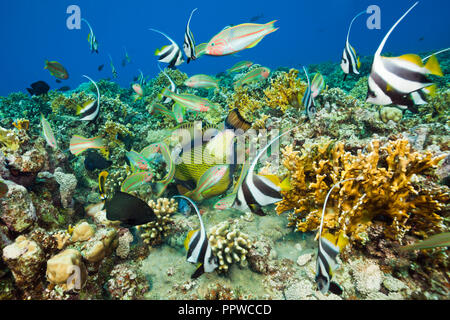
(310, 32)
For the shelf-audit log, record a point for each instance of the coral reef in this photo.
(229, 245)
(126, 283)
(153, 232)
(380, 184)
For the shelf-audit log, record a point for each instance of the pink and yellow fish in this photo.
(47, 132)
(257, 74)
(202, 81)
(189, 101)
(234, 39)
(139, 91)
(240, 66)
(79, 144)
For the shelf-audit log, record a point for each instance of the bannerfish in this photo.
(189, 101)
(326, 261)
(198, 248)
(56, 69)
(258, 190)
(392, 79)
(126, 59)
(141, 78)
(308, 100)
(100, 67)
(93, 44)
(94, 161)
(172, 86)
(47, 132)
(202, 81)
(38, 88)
(123, 207)
(228, 201)
(240, 66)
(79, 144)
(90, 110)
(113, 69)
(255, 75)
(237, 38)
(350, 62)
(170, 54)
(189, 42)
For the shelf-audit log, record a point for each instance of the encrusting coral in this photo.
(246, 102)
(229, 245)
(153, 232)
(380, 184)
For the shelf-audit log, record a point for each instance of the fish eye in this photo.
(212, 44)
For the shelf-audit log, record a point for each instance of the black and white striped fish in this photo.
(141, 78)
(93, 44)
(170, 54)
(350, 63)
(308, 100)
(327, 253)
(172, 87)
(189, 42)
(113, 69)
(393, 79)
(198, 247)
(90, 110)
(257, 191)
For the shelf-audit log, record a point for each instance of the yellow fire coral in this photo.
(22, 124)
(246, 102)
(381, 184)
(9, 140)
(285, 91)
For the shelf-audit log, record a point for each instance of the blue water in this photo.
(310, 32)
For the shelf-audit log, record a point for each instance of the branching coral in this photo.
(153, 232)
(383, 187)
(229, 245)
(285, 91)
(246, 101)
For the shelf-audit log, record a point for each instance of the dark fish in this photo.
(64, 89)
(95, 161)
(128, 209)
(58, 81)
(257, 18)
(124, 207)
(100, 67)
(38, 88)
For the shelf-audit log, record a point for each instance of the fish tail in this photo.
(46, 64)
(165, 93)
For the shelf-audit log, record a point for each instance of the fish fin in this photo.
(200, 270)
(413, 58)
(335, 288)
(256, 209)
(101, 182)
(389, 87)
(345, 77)
(433, 66)
(253, 44)
(431, 90)
(358, 64)
(273, 178)
(158, 51)
(188, 238)
(286, 184)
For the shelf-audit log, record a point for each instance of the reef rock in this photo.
(67, 268)
(82, 232)
(367, 276)
(16, 208)
(25, 258)
(67, 184)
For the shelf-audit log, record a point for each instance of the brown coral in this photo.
(246, 101)
(383, 187)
